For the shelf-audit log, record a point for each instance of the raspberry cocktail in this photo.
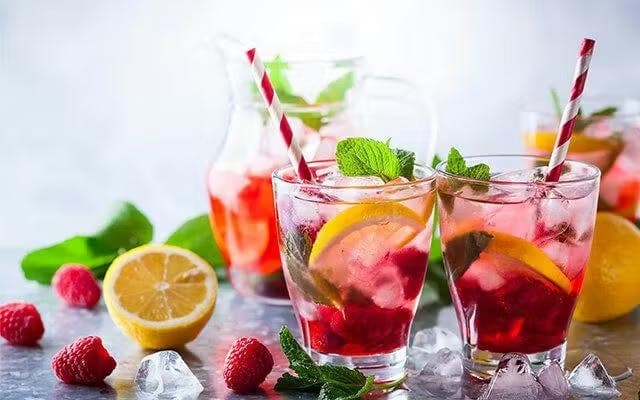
(608, 137)
(516, 250)
(355, 251)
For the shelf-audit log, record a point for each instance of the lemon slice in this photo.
(462, 250)
(160, 296)
(545, 141)
(366, 228)
(610, 288)
(529, 254)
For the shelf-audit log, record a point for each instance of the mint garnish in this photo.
(368, 157)
(435, 160)
(332, 382)
(456, 165)
(582, 122)
(128, 228)
(335, 92)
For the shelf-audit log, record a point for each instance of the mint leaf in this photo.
(337, 89)
(289, 383)
(299, 361)
(461, 251)
(195, 235)
(605, 112)
(456, 165)
(367, 157)
(128, 228)
(435, 161)
(407, 160)
(556, 103)
(277, 73)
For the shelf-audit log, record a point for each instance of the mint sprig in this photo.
(331, 382)
(456, 165)
(582, 121)
(368, 157)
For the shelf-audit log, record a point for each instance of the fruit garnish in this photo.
(610, 287)
(21, 324)
(83, 362)
(368, 157)
(77, 286)
(332, 382)
(545, 141)
(160, 296)
(246, 365)
(457, 165)
(462, 250)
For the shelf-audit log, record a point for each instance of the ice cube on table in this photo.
(513, 380)
(164, 375)
(433, 339)
(553, 381)
(437, 374)
(590, 379)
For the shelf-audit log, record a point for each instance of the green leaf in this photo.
(435, 161)
(344, 375)
(479, 171)
(128, 228)
(461, 251)
(337, 89)
(367, 157)
(289, 383)
(556, 103)
(195, 235)
(456, 165)
(277, 73)
(605, 112)
(299, 361)
(407, 161)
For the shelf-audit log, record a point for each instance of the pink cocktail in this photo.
(355, 251)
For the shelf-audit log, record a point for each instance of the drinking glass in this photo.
(239, 177)
(515, 251)
(611, 142)
(355, 252)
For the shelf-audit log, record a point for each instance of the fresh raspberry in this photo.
(20, 323)
(77, 286)
(246, 365)
(411, 264)
(83, 362)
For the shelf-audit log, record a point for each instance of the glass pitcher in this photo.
(325, 101)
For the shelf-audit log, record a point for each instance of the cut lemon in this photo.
(161, 296)
(367, 227)
(529, 254)
(545, 141)
(610, 288)
(464, 249)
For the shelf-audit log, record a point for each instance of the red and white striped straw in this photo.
(278, 116)
(565, 129)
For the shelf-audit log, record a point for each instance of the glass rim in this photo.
(594, 175)
(278, 175)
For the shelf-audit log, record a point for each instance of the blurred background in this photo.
(127, 100)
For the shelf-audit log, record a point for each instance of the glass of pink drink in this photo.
(515, 251)
(611, 142)
(355, 252)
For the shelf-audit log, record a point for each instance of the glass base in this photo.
(268, 289)
(482, 364)
(385, 367)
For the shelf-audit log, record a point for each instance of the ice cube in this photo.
(590, 379)
(522, 175)
(164, 375)
(437, 373)
(513, 380)
(553, 381)
(433, 339)
(346, 181)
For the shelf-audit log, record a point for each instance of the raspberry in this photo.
(83, 362)
(246, 365)
(20, 323)
(412, 265)
(76, 285)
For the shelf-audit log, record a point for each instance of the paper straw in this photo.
(278, 116)
(565, 129)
